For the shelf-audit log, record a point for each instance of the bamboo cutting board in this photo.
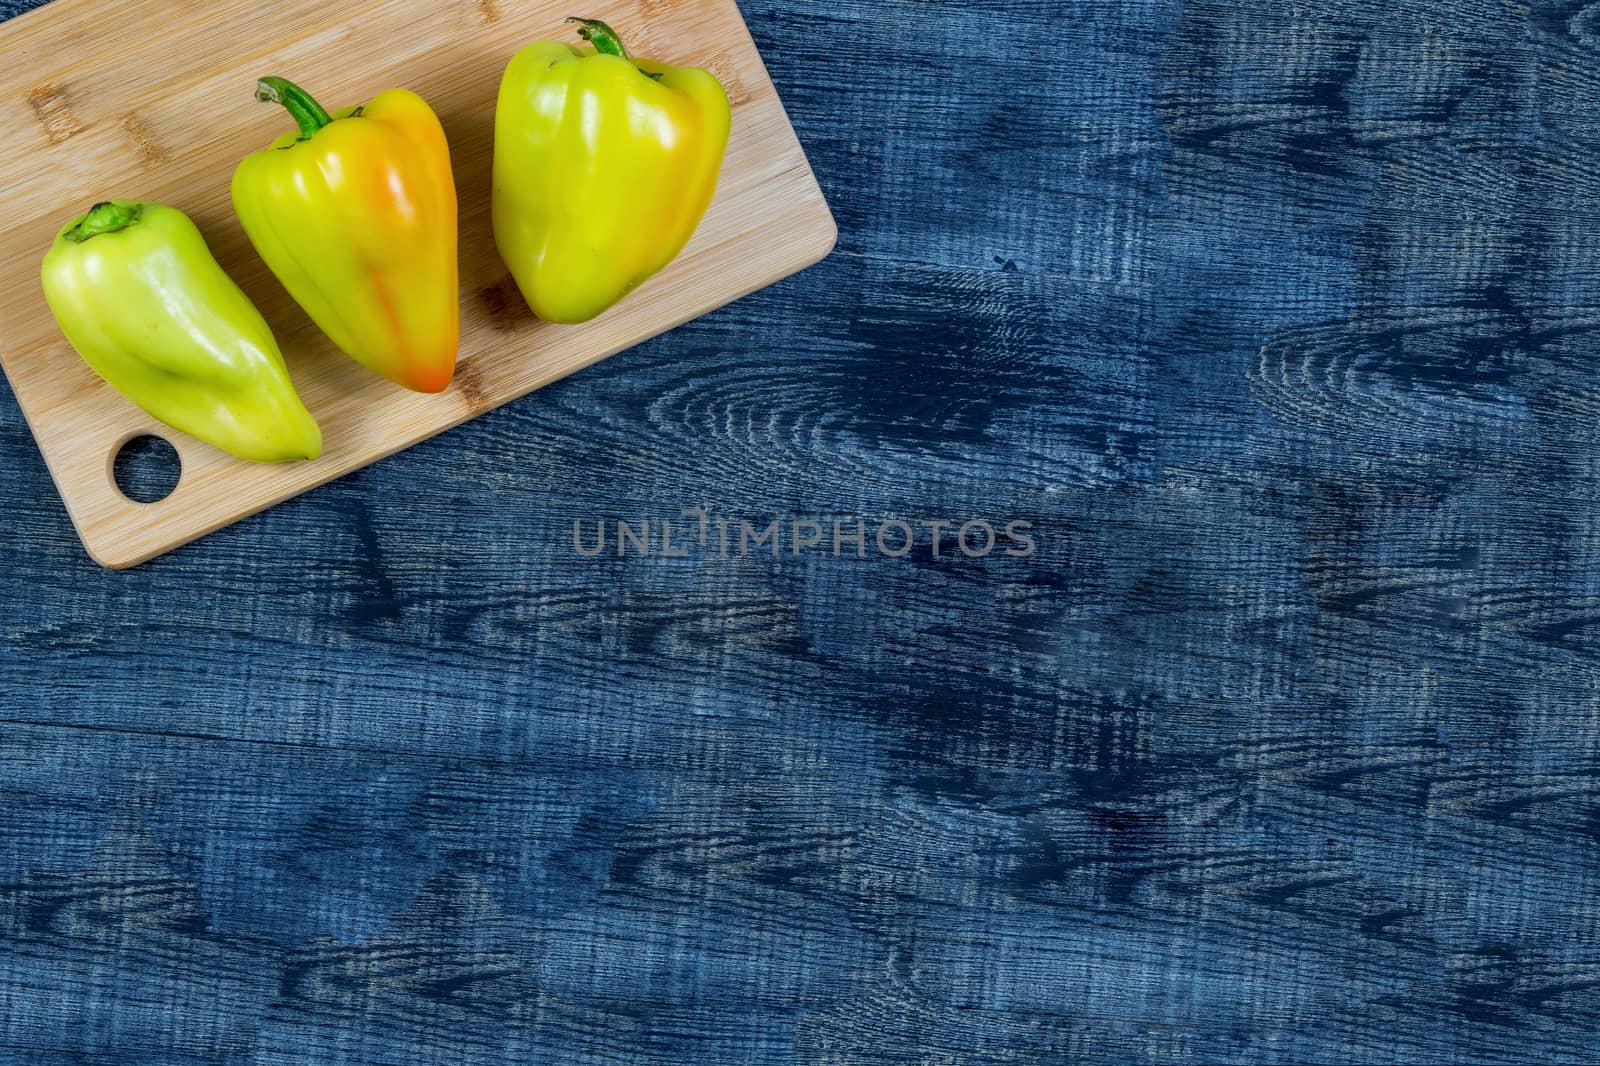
(153, 99)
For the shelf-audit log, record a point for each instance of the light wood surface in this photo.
(154, 100)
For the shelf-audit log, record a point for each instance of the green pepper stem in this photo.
(605, 39)
(104, 218)
(309, 115)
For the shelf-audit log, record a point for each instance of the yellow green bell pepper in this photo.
(137, 293)
(604, 166)
(356, 214)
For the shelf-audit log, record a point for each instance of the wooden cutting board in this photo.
(153, 99)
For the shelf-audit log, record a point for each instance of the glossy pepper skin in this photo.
(356, 214)
(138, 294)
(604, 166)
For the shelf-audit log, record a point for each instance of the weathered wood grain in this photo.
(1277, 320)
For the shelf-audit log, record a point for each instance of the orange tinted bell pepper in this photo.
(356, 214)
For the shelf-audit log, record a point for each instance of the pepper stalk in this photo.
(605, 39)
(309, 115)
(103, 218)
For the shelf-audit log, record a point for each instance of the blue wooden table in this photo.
(1277, 321)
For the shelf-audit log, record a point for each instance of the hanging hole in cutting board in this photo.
(147, 469)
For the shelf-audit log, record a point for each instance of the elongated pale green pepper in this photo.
(137, 293)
